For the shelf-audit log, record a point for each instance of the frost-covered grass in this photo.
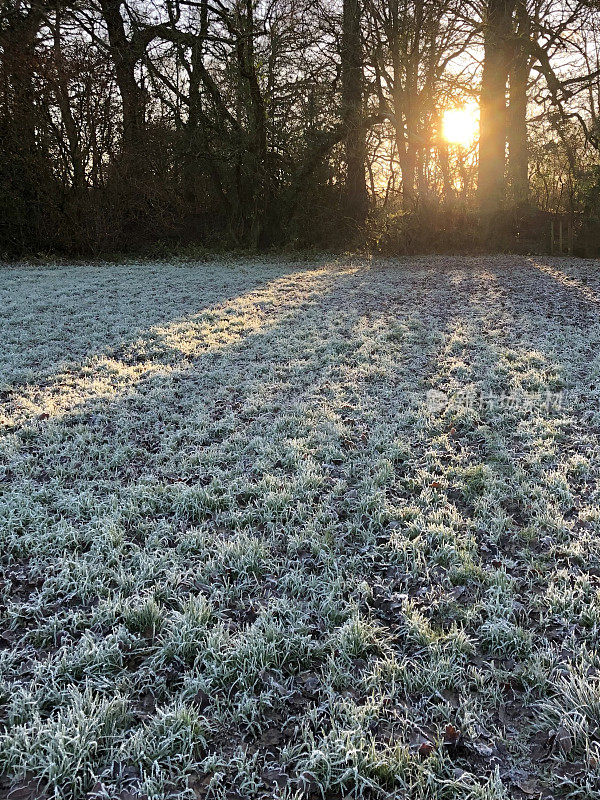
(244, 555)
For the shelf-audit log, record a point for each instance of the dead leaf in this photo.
(425, 749)
(451, 735)
(529, 787)
(482, 748)
(271, 738)
(308, 784)
(563, 740)
(97, 790)
(274, 776)
(201, 700)
(457, 592)
(27, 790)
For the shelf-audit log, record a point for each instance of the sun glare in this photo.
(460, 125)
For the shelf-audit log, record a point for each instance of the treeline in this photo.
(130, 122)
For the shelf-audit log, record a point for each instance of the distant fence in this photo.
(562, 235)
(555, 234)
(523, 231)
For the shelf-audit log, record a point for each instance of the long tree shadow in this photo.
(63, 315)
(560, 322)
(577, 276)
(166, 347)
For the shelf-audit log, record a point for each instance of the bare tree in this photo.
(519, 71)
(492, 142)
(352, 111)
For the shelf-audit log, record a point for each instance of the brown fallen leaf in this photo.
(457, 592)
(563, 740)
(540, 745)
(97, 790)
(425, 749)
(271, 738)
(201, 700)
(451, 735)
(529, 787)
(308, 784)
(199, 784)
(571, 770)
(275, 776)
(482, 748)
(27, 790)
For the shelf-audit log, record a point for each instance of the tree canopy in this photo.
(288, 121)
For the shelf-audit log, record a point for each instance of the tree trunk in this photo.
(408, 165)
(444, 160)
(255, 189)
(352, 112)
(492, 137)
(25, 179)
(517, 114)
(403, 130)
(17, 41)
(125, 60)
(64, 104)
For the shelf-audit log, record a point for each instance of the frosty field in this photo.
(325, 529)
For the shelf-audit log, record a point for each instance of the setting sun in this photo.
(460, 125)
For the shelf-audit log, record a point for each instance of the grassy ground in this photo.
(289, 531)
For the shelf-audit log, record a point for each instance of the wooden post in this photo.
(551, 237)
(560, 238)
(570, 237)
